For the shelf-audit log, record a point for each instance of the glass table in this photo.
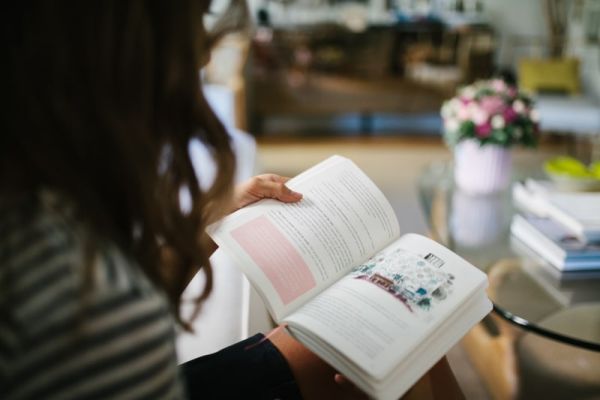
(531, 298)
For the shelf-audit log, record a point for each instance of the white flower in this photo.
(446, 110)
(498, 122)
(518, 106)
(534, 115)
(455, 104)
(451, 125)
(468, 92)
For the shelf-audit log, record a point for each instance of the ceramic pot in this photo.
(481, 169)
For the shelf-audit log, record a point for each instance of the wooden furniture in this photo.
(325, 69)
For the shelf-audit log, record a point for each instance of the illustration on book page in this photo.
(418, 282)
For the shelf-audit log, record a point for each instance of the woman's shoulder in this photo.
(67, 312)
(46, 253)
(32, 239)
(37, 244)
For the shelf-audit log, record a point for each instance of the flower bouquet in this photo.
(481, 123)
(491, 112)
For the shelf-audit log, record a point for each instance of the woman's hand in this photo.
(263, 186)
(350, 391)
(314, 377)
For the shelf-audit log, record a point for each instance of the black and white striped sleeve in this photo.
(63, 336)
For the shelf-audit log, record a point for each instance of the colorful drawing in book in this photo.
(416, 282)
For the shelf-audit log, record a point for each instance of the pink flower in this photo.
(510, 115)
(463, 113)
(498, 85)
(478, 114)
(483, 130)
(492, 104)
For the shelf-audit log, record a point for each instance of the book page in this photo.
(292, 251)
(378, 314)
(411, 368)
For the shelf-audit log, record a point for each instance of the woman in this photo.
(95, 249)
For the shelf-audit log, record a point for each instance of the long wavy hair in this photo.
(103, 100)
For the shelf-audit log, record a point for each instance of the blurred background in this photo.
(366, 79)
(383, 67)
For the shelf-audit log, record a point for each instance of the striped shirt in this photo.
(58, 340)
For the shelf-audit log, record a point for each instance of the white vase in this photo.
(477, 220)
(481, 169)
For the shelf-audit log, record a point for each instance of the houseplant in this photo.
(481, 123)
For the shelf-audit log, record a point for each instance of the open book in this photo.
(379, 307)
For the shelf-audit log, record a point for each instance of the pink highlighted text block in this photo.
(276, 256)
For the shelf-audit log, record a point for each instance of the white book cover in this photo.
(579, 212)
(555, 244)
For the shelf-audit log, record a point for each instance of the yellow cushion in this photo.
(561, 74)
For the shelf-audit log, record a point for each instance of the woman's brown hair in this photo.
(103, 100)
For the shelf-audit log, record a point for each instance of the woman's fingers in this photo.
(351, 391)
(273, 186)
(264, 186)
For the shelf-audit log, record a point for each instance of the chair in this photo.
(564, 106)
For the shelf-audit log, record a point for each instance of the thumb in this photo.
(279, 191)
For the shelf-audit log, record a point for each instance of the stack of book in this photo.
(561, 227)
